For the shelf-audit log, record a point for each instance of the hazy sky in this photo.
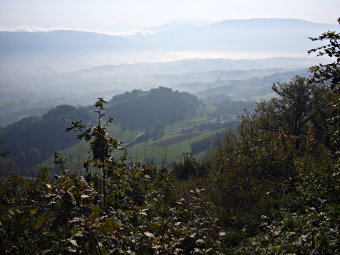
(128, 15)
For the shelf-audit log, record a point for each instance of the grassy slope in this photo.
(78, 152)
(170, 152)
(145, 151)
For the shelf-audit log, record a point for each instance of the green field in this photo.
(168, 151)
(169, 148)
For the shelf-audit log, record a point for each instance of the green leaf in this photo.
(108, 225)
(95, 213)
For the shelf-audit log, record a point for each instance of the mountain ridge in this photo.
(151, 28)
(254, 35)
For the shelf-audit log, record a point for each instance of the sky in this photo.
(134, 15)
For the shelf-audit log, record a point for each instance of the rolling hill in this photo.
(32, 140)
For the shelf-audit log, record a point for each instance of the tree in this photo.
(290, 112)
(329, 75)
(190, 167)
(101, 143)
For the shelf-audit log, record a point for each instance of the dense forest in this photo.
(270, 187)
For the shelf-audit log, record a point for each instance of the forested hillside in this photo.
(271, 186)
(141, 109)
(33, 140)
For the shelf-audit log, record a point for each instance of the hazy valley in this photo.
(187, 137)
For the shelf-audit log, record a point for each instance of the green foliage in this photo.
(102, 144)
(307, 222)
(189, 167)
(329, 75)
(291, 112)
(66, 216)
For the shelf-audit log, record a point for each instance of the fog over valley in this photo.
(40, 70)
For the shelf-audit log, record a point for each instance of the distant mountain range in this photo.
(249, 35)
(179, 25)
